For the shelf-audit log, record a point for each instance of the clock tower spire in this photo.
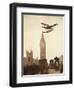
(42, 47)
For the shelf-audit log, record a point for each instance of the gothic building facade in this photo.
(29, 57)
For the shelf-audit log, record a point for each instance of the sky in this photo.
(32, 30)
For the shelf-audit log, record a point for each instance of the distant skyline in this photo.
(32, 35)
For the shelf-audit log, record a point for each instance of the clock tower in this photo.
(42, 47)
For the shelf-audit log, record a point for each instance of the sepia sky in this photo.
(32, 30)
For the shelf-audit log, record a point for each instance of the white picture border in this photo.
(42, 78)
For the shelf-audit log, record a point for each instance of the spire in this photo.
(42, 35)
(42, 38)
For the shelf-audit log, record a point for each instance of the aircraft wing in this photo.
(48, 31)
(44, 24)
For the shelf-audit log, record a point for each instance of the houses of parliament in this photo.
(29, 54)
(40, 66)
